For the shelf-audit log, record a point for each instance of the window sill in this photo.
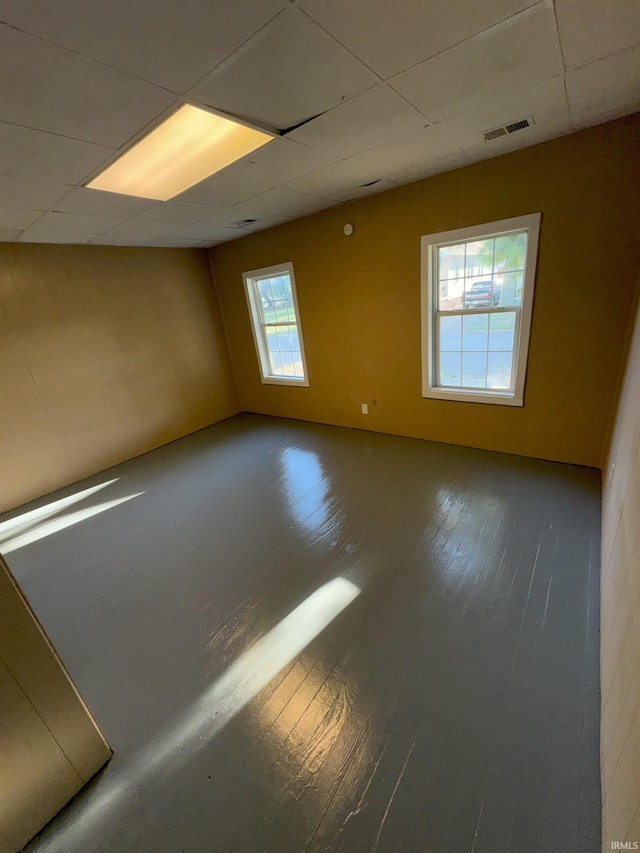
(279, 380)
(473, 397)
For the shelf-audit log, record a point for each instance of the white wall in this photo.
(620, 615)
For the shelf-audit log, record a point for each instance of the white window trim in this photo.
(257, 327)
(429, 296)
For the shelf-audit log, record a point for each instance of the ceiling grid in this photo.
(374, 96)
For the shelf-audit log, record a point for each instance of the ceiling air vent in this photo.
(517, 125)
(495, 132)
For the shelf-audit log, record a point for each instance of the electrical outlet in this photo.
(365, 409)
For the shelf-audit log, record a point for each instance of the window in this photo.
(275, 320)
(477, 297)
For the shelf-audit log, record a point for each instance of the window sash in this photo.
(513, 309)
(260, 326)
(264, 325)
(463, 312)
(431, 314)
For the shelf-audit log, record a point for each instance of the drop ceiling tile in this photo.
(171, 44)
(290, 71)
(390, 37)
(286, 203)
(261, 220)
(177, 212)
(34, 154)
(223, 191)
(49, 88)
(63, 237)
(342, 181)
(265, 222)
(73, 223)
(414, 150)
(374, 188)
(9, 235)
(118, 240)
(278, 162)
(230, 216)
(201, 232)
(17, 217)
(34, 195)
(370, 118)
(101, 203)
(434, 167)
(142, 229)
(172, 243)
(592, 29)
(547, 102)
(333, 181)
(605, 89)
(506, 58)
(237, 235)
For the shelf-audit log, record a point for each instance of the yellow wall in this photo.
(360, 298)
(620, 615)
(105, 353)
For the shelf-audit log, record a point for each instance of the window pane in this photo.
(479, 259)
(518, 288)
(451, 262)
(297, 364)
(284, 351)
(291, 364)
(265, 299)
(275, 360)
(474, 369)
(450, 373)
(474, 332)
(501, 331)
(509, 289)
(287, 364)
(290, 338)
(276, 299)
(263, 290)
(510, 253)
(294, 343)
(275, 335)
(450, 339)
(291, 310)
(480, 293)
(499, 370)
(273, 339)
(450, 294)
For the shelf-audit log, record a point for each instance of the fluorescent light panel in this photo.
(182, 151)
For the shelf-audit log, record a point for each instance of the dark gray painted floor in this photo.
(309, 638)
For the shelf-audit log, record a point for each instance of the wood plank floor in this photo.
(305, 638)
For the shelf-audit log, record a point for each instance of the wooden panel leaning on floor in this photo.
(49, 742)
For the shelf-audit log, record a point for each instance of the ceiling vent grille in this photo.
(494, 134)
(517, 125)
(505, 129)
